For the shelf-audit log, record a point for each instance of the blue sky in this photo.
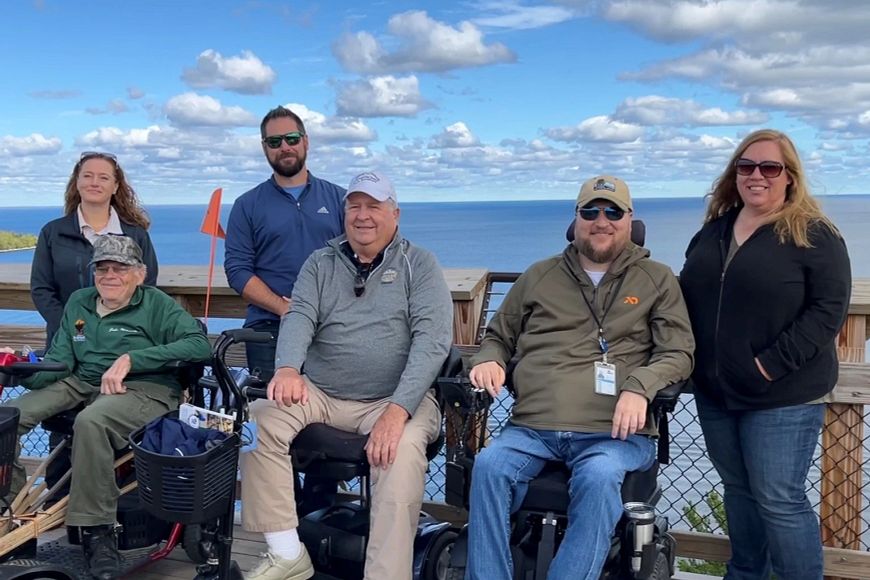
(484, 100)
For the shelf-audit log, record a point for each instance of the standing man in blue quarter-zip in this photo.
(272, 229)
(275, 226)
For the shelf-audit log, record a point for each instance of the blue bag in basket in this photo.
(170, 436)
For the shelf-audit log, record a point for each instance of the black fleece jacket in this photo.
(778, 302)
(60, 265)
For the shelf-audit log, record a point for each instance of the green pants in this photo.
(100, 429)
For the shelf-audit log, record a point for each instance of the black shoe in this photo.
(100, 545)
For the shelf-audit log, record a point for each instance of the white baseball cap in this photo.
(374, 184)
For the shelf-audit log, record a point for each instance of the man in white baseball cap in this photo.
(371, 319)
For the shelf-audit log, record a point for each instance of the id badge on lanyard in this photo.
(605, 373)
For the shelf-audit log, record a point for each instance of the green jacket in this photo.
(545, 322)
(153, 329)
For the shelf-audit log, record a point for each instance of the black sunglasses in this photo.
(274, 141)
(90, 154)
(769, 169)
(359, 285)
(590, 213)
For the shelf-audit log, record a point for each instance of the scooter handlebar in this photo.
(249, 335)
(252, 393)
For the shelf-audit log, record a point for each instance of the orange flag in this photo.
(211, 225)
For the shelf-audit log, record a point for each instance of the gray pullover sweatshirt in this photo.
(390, 342)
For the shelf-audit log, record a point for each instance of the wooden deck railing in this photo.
(842, 439)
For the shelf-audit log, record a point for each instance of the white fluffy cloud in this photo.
(424, 45)
(657, 110)
(332, 129)
(457, 135)
(245, 74)
(191, 109)
(809, 58)
(600, 128)
(385, 96)
(33, 144)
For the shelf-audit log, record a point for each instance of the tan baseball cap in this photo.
(608, 188)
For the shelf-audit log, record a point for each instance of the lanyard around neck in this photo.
(602, 341)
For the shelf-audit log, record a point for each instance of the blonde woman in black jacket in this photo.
(767, 283)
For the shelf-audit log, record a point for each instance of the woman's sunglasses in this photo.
(274, 141)
(590, 213)
(91, 154)
(769, 169)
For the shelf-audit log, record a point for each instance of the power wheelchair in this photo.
(641, 547)
(336, 536)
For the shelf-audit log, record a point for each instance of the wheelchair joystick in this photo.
(643, 516)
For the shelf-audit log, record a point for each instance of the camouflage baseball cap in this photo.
(121, 249)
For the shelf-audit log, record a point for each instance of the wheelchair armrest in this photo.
(666, 399)
(459, 394)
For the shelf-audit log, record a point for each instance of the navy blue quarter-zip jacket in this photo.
(270, 234)
(778, 302)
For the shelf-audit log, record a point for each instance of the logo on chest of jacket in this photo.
(323, 209)
(122, 329)
(389, 276)
(633, 300)
(80, 331)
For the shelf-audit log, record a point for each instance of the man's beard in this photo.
(291, 170)
(600, 256)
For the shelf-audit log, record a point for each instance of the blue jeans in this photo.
(763, 458)
(499, 483)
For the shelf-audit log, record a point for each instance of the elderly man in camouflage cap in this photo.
(116, 339)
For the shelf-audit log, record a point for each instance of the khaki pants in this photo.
(100, 429)
(268, 504)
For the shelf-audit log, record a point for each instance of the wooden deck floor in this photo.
(247, 547)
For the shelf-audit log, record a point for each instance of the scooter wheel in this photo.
(32, 570)
(198, 548)
(436, 566)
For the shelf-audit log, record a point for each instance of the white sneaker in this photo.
(274, 567)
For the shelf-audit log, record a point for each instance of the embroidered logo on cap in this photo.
(602, 184)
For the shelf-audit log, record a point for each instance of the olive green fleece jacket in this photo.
(545, 322)
(153, 329)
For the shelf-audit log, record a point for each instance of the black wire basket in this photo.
(8, 440)
(190, 489)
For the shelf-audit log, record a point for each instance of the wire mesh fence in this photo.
(838, 483)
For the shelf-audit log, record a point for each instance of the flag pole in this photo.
(212, 225)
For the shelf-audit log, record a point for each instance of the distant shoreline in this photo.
(13, 241)
(17, 249)
(226, 205)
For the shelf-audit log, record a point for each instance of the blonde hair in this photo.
(800, 209)
(125, 201)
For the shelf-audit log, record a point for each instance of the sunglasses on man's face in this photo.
(274, 141)
(590, 213)
(769, 169)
